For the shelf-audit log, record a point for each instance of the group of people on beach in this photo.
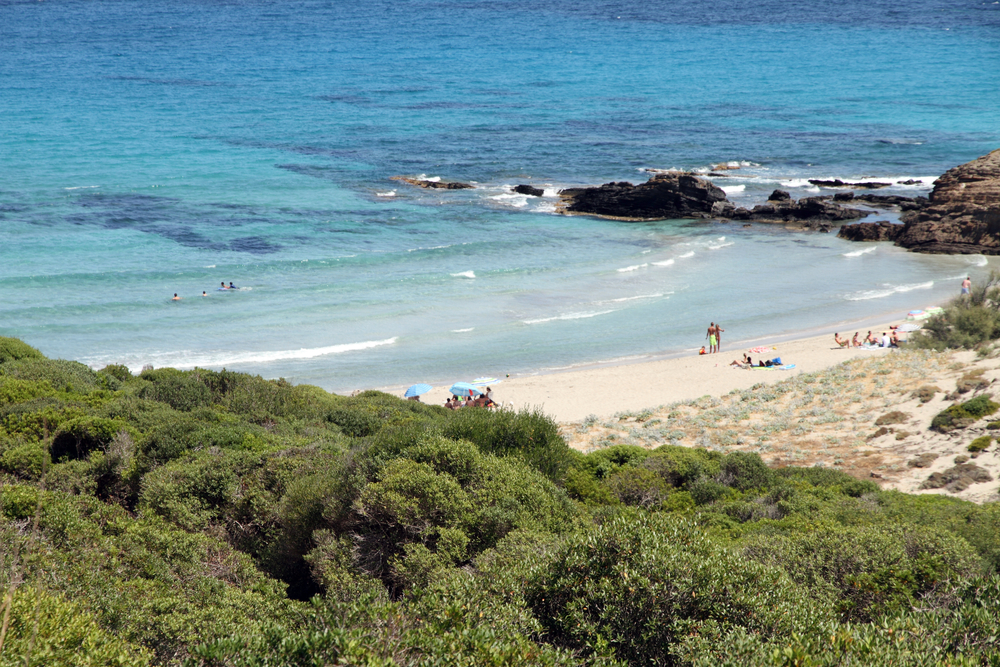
(484, 400)
(714, 337)
(231, 286)
(870, 340)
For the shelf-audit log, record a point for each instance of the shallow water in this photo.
(148, 150)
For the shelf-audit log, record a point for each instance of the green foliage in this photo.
(867, 572)
(180, 390)
(744, 471)
(530, 435)
(61, 375)
(980, 444)
(634, 587)
(964, 414)
(967, 322)
(12, 349)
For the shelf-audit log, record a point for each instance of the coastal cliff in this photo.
(963, 214)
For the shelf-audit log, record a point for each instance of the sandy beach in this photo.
(604, 390)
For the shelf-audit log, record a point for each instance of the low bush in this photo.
(12, 349)
(180, 390)
(744, 471)
(957, 478)
(894, 417)
(980, 444)
(964, 414)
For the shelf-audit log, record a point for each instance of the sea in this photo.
(153, 148)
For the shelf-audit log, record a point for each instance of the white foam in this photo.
(432, 179)
(666, 262)
(464, 274)
(733, 189)
(515, 200)
(686, 255)
(462, 330)
(550, 192)
(645, 252)
(569, 316)
(796, 183)
(390, 193)
(858, 253)
(721, 245)
(634, 267)
(210, 266)
(433, 247)
(864, 295)
(632, 298)
(83, 187)
(223, 358)
(546, 207)
(977, 260)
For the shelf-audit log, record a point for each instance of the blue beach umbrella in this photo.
(417, 389)
(464, 389)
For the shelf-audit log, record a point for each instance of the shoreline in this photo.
(605, 388)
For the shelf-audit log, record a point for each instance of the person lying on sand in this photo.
(842, 342)
(747, 362)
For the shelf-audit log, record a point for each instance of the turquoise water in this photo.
(148, 149)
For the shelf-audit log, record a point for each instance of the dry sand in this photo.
(574, 395)
(823, 412)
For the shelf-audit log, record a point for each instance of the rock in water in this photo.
(437, 185)
(664, 196)
(528, 190)
(963, 214)
(806, 212)
(837, 183)
(880, 230)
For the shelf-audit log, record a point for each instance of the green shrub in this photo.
(61, 375)
(181, 391)
(12, 349)
(964, 414)
(76, 438)
(894, 417)
(118, 371)
(635, 586)
(980, 444)
(639, 487)
(744, 471)
(24, 460)
(871, 571)
(705, 490)
(681, 466)
(531, 436)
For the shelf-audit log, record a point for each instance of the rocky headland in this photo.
(962, 215)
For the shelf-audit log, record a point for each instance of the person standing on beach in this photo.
(966, 284)
(718, 337)
(711, 337)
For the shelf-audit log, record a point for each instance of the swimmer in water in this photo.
(231, 285)
(176, 298)
(204, 293)
(223, 283)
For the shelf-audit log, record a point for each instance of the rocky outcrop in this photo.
(837, 183)
(528, 190)
(884, 201)
(807, 212)
(663, 197)
(963, 214)
(880, 230)
(437, 185)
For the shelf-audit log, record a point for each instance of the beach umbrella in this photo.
(417, 389)
(909, 327)
(464, 389)
(484, 381)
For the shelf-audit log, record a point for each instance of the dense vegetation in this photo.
(968, 322)
(215, 518)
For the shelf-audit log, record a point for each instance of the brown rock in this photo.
(837, 183)
(437, 185)
(528, 190)
(880, 230)
(664, 196)
(808, 212)
(963, 214)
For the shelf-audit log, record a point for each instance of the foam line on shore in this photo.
(190, 359)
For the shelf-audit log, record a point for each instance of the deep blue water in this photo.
(152, 148)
